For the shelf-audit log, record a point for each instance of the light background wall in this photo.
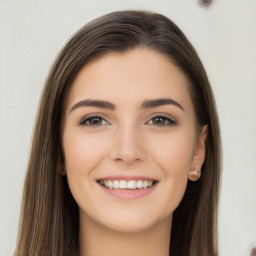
(32, 32)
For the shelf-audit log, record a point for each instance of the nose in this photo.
(128, 146)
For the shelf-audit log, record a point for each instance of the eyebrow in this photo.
(93, 103)
(160, 102)
(108, 105)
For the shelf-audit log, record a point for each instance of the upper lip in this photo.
(126, 177)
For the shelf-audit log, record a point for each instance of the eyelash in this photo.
(86, 119)
(168, 121)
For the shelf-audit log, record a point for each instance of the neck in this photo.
(95, 239)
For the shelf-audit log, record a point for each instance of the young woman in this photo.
(126, 151)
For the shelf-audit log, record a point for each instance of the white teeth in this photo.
(139, 184)
(116, 183)
(123, 184)
(110, 184)
(145, 184)
(132, 184)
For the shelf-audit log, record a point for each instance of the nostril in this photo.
(205, 3)
(128, 160)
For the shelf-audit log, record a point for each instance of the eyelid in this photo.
(149, 118)
(164, 115)
(84, 118)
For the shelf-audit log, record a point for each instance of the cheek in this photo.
(175, 152)
(82, 153)
(174, 158)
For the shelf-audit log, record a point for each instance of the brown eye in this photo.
(162, 121)
(159, 120)
(94, 121)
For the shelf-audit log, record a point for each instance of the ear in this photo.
(63, 170)
(198, 155)
(60, 165)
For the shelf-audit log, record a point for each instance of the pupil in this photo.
(95, 121)
(158, 120)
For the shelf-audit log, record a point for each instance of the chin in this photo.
(131, 226)
(130, 221)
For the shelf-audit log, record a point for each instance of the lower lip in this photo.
(129, 194)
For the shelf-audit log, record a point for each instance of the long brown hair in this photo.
(49, 216)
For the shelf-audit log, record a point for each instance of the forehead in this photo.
(131, 76)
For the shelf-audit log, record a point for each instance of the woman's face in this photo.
(129, 140)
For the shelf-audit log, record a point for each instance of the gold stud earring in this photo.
(194, 175)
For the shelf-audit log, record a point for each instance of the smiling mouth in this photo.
(127, 184)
